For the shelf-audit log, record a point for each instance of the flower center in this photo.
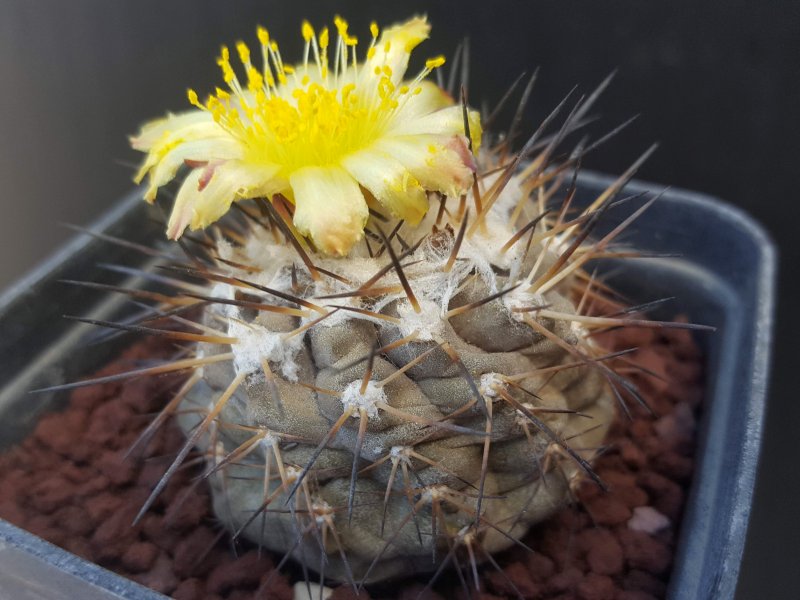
(311, 114)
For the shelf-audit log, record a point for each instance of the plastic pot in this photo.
(723, 276)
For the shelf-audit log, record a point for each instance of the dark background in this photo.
(716, 83)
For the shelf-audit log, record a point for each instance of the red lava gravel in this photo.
(70, 483)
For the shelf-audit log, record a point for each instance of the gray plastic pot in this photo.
(724, 276)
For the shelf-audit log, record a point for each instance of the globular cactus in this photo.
(393, 365)
(406, 398)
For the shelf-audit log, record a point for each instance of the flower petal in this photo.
(203, 150)
(329, 207)
(389, 181)
(198, 205)
(153, 131)
(183, 209)
(447, 121)
(430, 99)
(441, 163)
(395, 46)
(161, 137)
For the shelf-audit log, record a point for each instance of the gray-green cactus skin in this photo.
(396, 406)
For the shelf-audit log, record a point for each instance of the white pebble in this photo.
(648, 520)
(301, 590)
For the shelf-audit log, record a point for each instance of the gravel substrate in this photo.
(70, 483)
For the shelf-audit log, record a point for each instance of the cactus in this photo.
(393, 407)
(392, 361)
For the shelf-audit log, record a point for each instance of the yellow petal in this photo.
(183, 211)
(153, 131)
(207, 150)
(390, 182)
(430, 99)
(395, 45)
(447, 121)
(199, 205)
(329, 207)
(441, 163)
(165, 135)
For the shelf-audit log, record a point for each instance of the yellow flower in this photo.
(321, 133)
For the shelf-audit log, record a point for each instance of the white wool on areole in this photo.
(225, 250)
(264, 253)
(484, 248)
(578, 329)
(355, 269)
(226, 292)
(256, 343)
(277, 276)
(428, 324)
(368, 401)
(338, 313)
(521, 299)
(489, 384)
(269, 441)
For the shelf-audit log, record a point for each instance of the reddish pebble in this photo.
(140, 556)
(274, 587)
(63, 432)
(515, 580)
(641, 581)
(608, 510)
(51, 493)
(193, 550)
(42, 525)
(666, 496)
(565, 581)
(245, 571)
(74, 473)
(138, 395)
(674, 466)
(107, 423)
(94, 484)
(644, 552)
(189, 589)
(118, 469)
(16, 485)
(540, 566)
(13, 513)
(188, 510)
(90, 396)
(114, 535)
(161, 577)
(74, 520)
(596, 587)
(634, 595)
(80, 547)
(149, 473)
(641, 430)
(587, 490)
(102, 505)
(623, 487)
(631, 454)
(685, 371)
(603, 552)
